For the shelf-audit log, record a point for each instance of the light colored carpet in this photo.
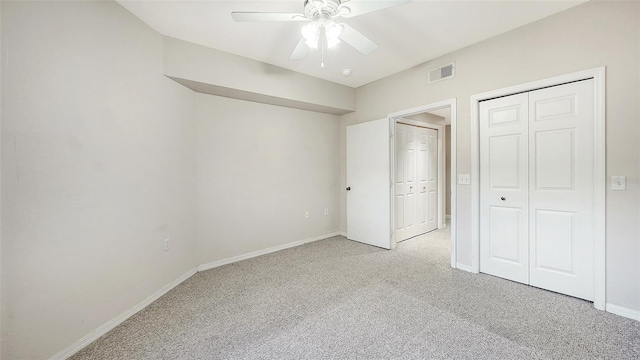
(338, 299)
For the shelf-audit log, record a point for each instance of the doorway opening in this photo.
(423, 171)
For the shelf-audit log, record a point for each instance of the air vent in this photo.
(441, 73)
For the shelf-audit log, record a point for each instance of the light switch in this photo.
(619, 183)
(464, 179)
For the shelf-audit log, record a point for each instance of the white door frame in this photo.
(600, 176)
(393, 118)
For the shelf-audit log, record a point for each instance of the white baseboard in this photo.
(106, 327)
(343, 233)
(253, 254)
(623, 311)
(465, 268)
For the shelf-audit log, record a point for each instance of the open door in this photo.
(368, 183)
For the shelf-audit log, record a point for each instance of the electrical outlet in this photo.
(306, 214)
(167, 244)
(326, 212)
(464, 179)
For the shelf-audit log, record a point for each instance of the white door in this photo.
(561, 198)
(504, 188)
(537, 188)
(368, 181)
(416, 181)
(427, 181)
(405, 182)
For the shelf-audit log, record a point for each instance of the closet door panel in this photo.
(561, 121)
(504, 187)
(428, 180)
(405, 182)
(410, 182)
(400, 182)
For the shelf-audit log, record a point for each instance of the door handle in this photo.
(348, 188)
(424, 189)
(410, 188)
(503, 198)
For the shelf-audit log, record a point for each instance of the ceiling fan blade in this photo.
(351, 8)
(300, 51)
(358, 41)
(266, 16)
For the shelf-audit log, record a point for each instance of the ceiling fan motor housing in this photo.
(321, 8)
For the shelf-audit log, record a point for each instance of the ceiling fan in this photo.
(321, 15)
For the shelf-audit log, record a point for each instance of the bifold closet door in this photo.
(537, 188)
(405, 184)
(416, 184)
(504, 188)
(561, 197)
(427, 174)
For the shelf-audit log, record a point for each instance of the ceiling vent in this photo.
(441, 73)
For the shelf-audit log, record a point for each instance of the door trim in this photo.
(600, 177)
(451, 103)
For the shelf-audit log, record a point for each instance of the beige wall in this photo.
(98, 167)
(260, 167)
(587, 36)
(99, 163)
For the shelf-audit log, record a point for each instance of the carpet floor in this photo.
(339, 299)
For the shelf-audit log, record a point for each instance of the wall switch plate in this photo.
(306, 214)
(326, 212)
(167, 244)
(619, 183)
(464, 179)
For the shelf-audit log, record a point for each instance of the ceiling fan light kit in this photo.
(332, 32)
(313, 30)
(311, 34)
(321, 15)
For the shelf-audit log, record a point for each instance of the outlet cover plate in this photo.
(464, 179)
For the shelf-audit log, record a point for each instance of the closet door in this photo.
(561, 122)
(427, 204)
(405, 184)
(401, 146)
(504, 188)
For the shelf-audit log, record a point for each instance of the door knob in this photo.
(503, 198)
(348, 188)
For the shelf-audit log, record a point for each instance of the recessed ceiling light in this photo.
(346, 72)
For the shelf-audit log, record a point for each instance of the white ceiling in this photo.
(408, 34)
